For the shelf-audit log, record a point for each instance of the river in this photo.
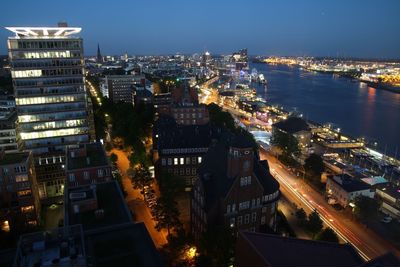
(354, 107)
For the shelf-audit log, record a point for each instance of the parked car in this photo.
(387, 219)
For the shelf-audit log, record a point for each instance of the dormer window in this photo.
(245, 181)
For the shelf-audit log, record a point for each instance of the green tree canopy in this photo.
(314, 165)
(365, 207)
(314, 223)
(166, 214)
(327, 234)
(286, 142)
(141, 178)
(113, 158)
(220, 117)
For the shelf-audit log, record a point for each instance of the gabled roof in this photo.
(386, 260)
(213, 172)
(279, 251)
(292, 125)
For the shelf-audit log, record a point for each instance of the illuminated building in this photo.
(120, 88)
(51, 101)
(19, 199)
(8, 119)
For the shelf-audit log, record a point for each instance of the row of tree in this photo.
(314, 225)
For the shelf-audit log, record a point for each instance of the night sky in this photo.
(344, 28)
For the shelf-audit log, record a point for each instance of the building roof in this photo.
(13, 158)
(279, 251)
(213, 173)
(84, 156)
(348, 183)
(126, 244)
(36, 32)
(292, 125)
(109, 198)
(169, 135)
(386, 260)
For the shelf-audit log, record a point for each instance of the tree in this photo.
(327, 234)
(301, 215)
(217, 243)
(221, 118)
(287, 143)
(314, 223)
(365, 207)
(113, 158)
(166, 214)
(314, 165)
(141, 178)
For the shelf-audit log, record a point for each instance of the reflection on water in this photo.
(355, 107)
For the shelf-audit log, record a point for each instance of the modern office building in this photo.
(120, 88)
(51, 101)
(8, 119)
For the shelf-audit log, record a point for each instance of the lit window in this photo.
(71, 177)
(199, 159)
(182, 161)
(175, 161)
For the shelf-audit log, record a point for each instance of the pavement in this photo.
(366, 242)
(136, 203)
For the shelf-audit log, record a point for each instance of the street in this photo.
(136, 203)
(368, 243)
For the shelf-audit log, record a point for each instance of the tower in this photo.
(99, 57)
(51, 101)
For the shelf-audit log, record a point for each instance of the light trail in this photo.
(311, 207)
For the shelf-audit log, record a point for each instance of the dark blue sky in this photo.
(350, 28)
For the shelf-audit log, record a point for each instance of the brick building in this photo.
(87, 164)
(234, 189)
(179, 149)
(19, 198)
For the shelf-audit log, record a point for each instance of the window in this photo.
(233, 207)
(175, 161)
(71, 177)
(24, 193)
(181, 171)
(182, 161)
(100, 173)
(239, 220)
(187, 171)
(245, 181)
(246, 218)
(253, 216)
(163, 163)
(262, 219)
(228, 208)
(253, 203)
(188, 160)
(244, 205)
(26, 209)
(258, 201)
(199, 159)
(193, 160)
(193, 171)
(86, 175)
(169, 161)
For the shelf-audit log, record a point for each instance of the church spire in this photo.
(99, 57)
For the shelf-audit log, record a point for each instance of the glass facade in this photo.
(50, 96)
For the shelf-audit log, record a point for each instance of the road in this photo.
(136, 203)
(368, 243)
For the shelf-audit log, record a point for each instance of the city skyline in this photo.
(287, 28)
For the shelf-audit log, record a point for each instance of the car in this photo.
(387, 219)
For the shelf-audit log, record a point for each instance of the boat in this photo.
(261, 79)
